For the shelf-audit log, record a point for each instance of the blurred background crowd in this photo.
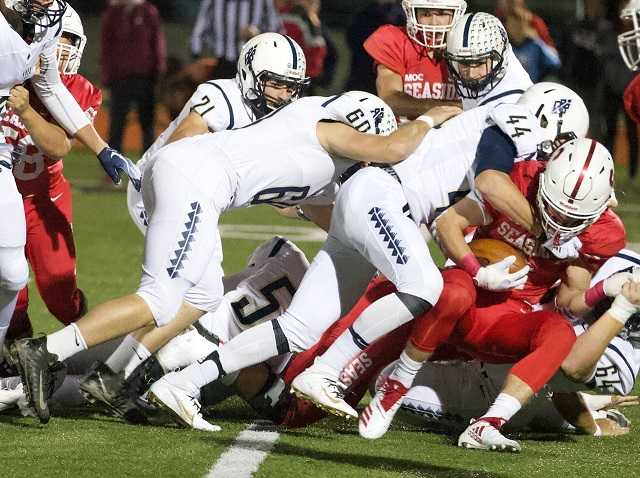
(150, 54)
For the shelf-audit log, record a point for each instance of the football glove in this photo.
(497, 277)
(114, 163)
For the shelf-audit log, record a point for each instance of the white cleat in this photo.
(376, 418)
(482, 434)
(182, 405)
(11, 392)
(317, 385)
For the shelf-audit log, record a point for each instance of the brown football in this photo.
(490, 251)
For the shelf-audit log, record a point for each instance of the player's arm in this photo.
(495, 157)
(342, 140)
(320, 215)
(572, 408)
(450, 226)
(65, 110)
(571, 295)
(192, 125)
(389, 87)
(449, 232)
(50, 138)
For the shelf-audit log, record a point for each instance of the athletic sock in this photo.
(66, 342)
(405, 370)
(118, 360)
(381, 317)
(253, 346)
(8, 299)
(505, 406)
(140, 354)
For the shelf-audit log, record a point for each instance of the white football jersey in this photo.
(219, 103)
(276, 160)
(618, 367)
(515, 81)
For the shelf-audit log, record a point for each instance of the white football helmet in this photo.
(32, 12)
(69, 56)
(629, 41)
(475, 40)
(561, 114)
(270, 57)
(574, 189)
(365, 112)
(431, 36)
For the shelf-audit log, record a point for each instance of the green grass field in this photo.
(82, 444)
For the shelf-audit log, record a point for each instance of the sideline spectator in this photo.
(537, 56)
(133, 57)
(222, 26)
(301, 21)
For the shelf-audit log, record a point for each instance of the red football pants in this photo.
(497, 331)
(51, 253)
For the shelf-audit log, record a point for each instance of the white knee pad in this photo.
(301, 336)
(14, 271)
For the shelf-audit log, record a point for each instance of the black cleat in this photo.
(41, 372)
(106, 388)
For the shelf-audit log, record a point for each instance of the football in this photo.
(490, 251)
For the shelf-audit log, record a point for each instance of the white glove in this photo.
(566, 250)
(636, 274)
(612, 285)
(497, 277)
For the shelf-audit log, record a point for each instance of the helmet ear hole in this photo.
(544, 122)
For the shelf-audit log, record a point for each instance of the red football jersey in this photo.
(632, 99)
(36, 173)
(423, 77)
(602, 240)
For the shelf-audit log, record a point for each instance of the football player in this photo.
(541, 340)
(33, 56)
(411, 73)
(266, 80)
(38, 145)
(629, 44)
(192, 182)
(371, 227)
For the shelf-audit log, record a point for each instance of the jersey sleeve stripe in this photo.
(226, 98)
(501, 95)
(631, 373)
(331, 100)
(293, 52)
(628, 258)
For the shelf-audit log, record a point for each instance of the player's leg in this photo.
(178, 248)
(14, 271)
(20, 326)
(370, 215)
(430, 331)
(52, 255)
(338, 271)
(538, 342)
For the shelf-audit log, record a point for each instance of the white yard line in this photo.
(247, 453)
(261, 232)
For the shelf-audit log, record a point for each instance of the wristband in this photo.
(426, 119)
(470, 264)
(621, 309)
(595, 294)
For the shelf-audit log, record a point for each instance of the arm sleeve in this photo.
(55, 96)
(385, 50)
(495, 151)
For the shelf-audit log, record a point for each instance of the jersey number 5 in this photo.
(273, 305)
